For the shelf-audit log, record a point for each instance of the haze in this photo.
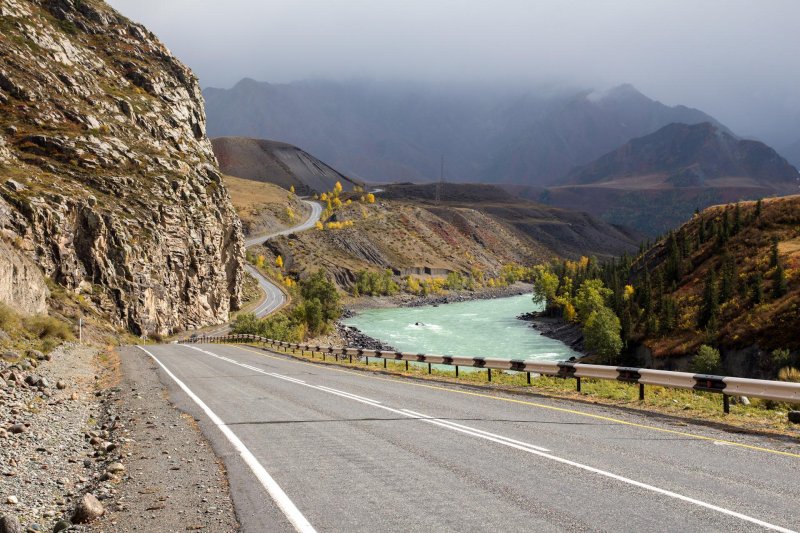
(733, 59)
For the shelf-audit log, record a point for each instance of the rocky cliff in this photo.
(107, 179)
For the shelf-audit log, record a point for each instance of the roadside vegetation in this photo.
(386, 283)
(758, 415)
(720, 280)
(19, 333)
(314, 309)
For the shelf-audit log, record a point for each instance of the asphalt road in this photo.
(274, 298)
(312, 447)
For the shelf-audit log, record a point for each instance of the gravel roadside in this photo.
(174, 481)
(53, 437)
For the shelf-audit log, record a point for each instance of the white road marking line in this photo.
(451, 423)
(532, 450)
(355, 396)
(286, 505)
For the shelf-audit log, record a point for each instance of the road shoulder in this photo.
(174, 480)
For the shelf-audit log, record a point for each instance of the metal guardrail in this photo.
(780, 391)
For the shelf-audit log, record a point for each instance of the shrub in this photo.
(789, 374)
(707, 361)
(42, 326)
(8, 319)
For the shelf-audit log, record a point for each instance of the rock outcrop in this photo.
(21, 283)
(107, 179)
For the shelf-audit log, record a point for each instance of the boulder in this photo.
(88, 510)
(10, 524)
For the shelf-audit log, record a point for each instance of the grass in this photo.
(690, 406)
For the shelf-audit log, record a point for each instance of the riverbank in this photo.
(558, 329)
(354, 305)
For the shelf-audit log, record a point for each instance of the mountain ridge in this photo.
(383, 132)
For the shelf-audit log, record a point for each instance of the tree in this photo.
(773, 253)
(545, 284)
(758, 208)
(758, 288)
(291, 189)
(370, 198)
(337, 189)
(729, 278)
(602, 334)
(279, 262)
(318, 286)
(710, 299)
(707, 360)
(591, 296)
(779, 284)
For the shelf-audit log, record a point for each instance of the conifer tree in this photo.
(710, 299)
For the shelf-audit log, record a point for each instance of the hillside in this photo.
(108, 183)
(279, 163)
(654, 182)
(391, 132)
(754, 316)
(566, 233)
(473, 229)
(728, 278)
(264, 207)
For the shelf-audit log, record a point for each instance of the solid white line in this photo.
(286, 505)
(525, 447)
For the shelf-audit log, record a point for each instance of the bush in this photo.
(47, 327)
(707, 361)
(8, 319)
(789, 374)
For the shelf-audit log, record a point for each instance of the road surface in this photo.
(274, 298)
(310, 447)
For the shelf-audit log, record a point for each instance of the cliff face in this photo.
(107, 179)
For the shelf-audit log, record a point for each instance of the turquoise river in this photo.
(478, 328)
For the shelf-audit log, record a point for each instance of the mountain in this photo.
(108, 184)
(384, 132)
(578, 130)
(654, 182)
(278, 163)
(792, 153)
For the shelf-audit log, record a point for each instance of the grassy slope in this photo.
(263, 206)
(743, 323)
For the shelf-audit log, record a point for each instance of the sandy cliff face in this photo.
(107, 179)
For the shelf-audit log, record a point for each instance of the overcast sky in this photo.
(738, 60)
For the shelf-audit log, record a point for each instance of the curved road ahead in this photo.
(312, 447)
(273, 295)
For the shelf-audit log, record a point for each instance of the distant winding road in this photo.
(274, 298)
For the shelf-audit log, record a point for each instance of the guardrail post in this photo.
(578, 384)
(726, 404)
(351, 359)
(641, 392)
(489, 374)
(529, 377)
(366, 360)
(456, 370)
(429, 368)
(384, 362)
(406, 365)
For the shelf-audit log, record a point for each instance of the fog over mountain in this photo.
(733, 60)
(398, 132)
